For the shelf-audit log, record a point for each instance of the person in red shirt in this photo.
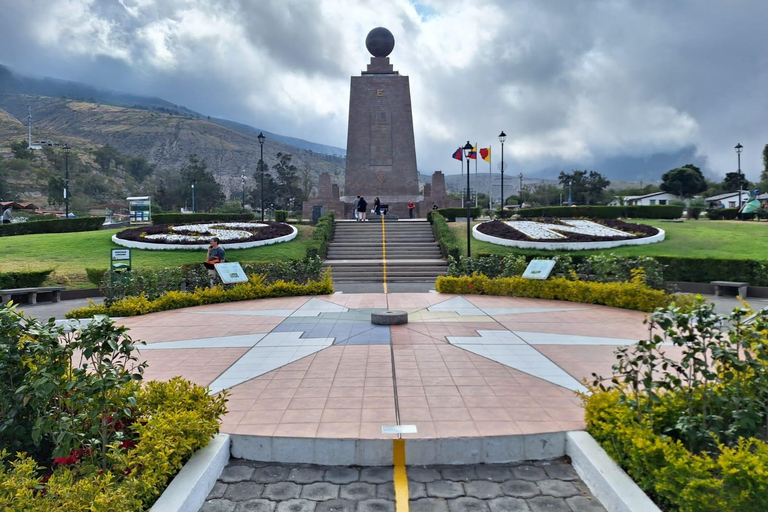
(411, 209)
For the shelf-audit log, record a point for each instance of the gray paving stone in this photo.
(531, 473)
(507, 504)
(238, 473)
(242, 491)
(336, 506)
(561, 471)
(306, 475)
(429, 505)
(386, 491)
(281, 491)
(296, 506)
(482, 490)
(340, 475)
(468, 505)
(376, 505)
(218, 505)
(459, 473)
(416, 490)
(444, 489)
(270, 474)
(219, 488)
(548, 504)
(520, 489)
(256, 506)
(422, 474)
(584, 504)
(357, 491)
(493, 473)
(378, 475)
(320, 491)
(558, 488)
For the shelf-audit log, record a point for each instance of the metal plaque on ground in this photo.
(539, 269)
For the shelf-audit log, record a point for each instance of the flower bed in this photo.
(569, 234)
(690, 429)
(79, 430)
(233, 235)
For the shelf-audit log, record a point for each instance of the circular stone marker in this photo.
(389, 318)
(380, 42)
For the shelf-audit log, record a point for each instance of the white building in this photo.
(729, 199)
(654, 199)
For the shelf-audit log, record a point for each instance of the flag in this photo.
(485, 154)
(472, 155)
(458, 155)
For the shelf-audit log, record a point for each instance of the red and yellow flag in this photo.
(485, 154)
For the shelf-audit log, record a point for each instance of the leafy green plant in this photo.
(322, 236)
(444, 235)
(24, 278)
(281, 215)
(52, 226)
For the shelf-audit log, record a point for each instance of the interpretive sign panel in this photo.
(231, 273)
(121, 259)
(539, 269)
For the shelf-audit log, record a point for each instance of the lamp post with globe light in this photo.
(502, 138)
(467, 148)
(738, 149)
(261, 170)
(66, 180)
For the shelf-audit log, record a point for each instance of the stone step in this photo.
(427, 262)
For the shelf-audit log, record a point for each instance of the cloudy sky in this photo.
(571, 82)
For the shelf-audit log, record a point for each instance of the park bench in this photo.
(53, 291)
(730, 284)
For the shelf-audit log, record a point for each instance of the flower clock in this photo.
(233, 235)
(566, 234)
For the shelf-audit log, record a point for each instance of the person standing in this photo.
(361, 206)
(411, 209)
(354, 207)
(377, 206)
(216, 254)
(7, 215)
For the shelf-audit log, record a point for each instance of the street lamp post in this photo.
(738, 149)
(261, 170)
(521, 190)
(243, 202)
(66, 180)
(570, 202)
(502, 138)
(467, 148)
(194, 210)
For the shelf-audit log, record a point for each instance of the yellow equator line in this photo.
(384, 251)
(400, 477)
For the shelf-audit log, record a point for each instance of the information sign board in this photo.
(539, 269)
(231, 273)
(121, 259)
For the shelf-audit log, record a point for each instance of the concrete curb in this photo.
(188, 490)
(607, 481)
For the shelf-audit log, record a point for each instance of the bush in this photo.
(699, 270)
(281, 215)
(186, 218)
(690, 429)
(318, 247)
(723, 214)
(255, 288)
(301, 271)
(444, 235)
(51, 226)
(96, 275)
(630, 295)
(23, 279)
(450, 214)
(598, 212)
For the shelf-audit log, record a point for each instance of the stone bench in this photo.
(730, 284)
(31, 293)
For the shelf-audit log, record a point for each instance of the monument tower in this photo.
(381, 152)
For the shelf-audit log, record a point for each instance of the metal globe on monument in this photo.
(380, 42)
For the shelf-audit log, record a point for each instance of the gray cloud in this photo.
(572, 82)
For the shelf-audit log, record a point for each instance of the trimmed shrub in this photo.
(444, 235)
(24, 279)
(723, 214)
(281, 215)
(51, 226)
(318, 247)
(187, 218)
(450, 214)
(700, 270)
(96, 275)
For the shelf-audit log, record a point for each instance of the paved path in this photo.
(551, 486)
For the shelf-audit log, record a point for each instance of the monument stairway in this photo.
(360, 251)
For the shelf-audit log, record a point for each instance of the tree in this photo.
(21, 150)
(543, 195)
(587, 187)
(55, 190)
(305, 183)
(685, 181)
(288, 191)
(104, 157)
(764, 174)
(138, 167)
(208, 193)
(735, 181)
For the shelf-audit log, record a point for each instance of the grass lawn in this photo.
(724, 239)
(71, 253)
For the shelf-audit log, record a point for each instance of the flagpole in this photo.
(477, 151)
(461, 163)
(490, 180)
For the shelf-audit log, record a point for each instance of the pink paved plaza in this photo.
(463, 366)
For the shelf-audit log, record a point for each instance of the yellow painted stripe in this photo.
(401, 478)
(384, 251)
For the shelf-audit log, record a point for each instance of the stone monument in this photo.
(381, 152)
(327, 196)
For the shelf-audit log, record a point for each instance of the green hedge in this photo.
(281, 215)
(598, 212)
(444, 235)
(51, 226)
(724, 214)
(26, 279)
(322, 236)
(700, 270)
(450, 214)
(186, 218)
